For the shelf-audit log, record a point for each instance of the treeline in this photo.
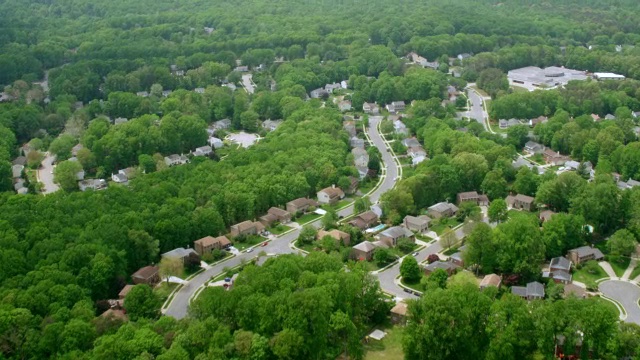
(507, 327)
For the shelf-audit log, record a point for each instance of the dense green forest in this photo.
(63, 254)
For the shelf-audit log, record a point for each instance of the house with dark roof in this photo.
(275, 214)
(584, 254)
(209, 243)
(447, 266)
(365, 220)
(411, 142)
(363, 251)
(533, 147)
(147, 275)
(179, 253)
(247, 228)
(300, 205)
(533, 291)
(330, 195)
(319, 93)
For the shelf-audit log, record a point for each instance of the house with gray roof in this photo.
(203, 151)
(179, 253)
(520, 162)
(215, 142)
(411, 142)
(442, 209)
(319, 93)
(271, 125)
(584, 254)
(391, 235)
(222, 124)
(175, 159)
(344, 105)
(418, 224)
(356, 142)
(400, 128)
(371, 108)
(350, 127)
(92, 184)
(533, 291)
(533, 147)
(396, 107)
(360, 157)
(363, 251)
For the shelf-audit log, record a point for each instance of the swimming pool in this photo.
(376, 229)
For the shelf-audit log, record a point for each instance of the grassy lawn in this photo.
(279, 229)
(367, 186)
(537, 158)
(635, 272)
(209, 259)
(249, 241)
(514, 214)
(338, 205)
(619, 263)
(415, 286)
(389, 348)
(164, 290)
(444, 224)
(308, 217)
(518, 89)
(588, 278)
(424, 238)
(607, 303)
(451, 251)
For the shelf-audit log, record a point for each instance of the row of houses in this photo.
(328, 89)
(394, 107)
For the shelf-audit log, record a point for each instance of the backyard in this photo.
(389, 348)
(442, 225)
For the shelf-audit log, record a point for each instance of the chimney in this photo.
(333, 186)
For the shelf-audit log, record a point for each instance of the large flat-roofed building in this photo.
(607, 76)
(533, 77)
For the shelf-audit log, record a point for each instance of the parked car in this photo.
(415, 254)
(264, 244)
(249, 250)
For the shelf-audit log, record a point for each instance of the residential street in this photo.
(627, 294)
(476, 110)
(281, 245)
(247, 83)
(45, 175)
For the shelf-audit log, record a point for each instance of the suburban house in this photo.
(363, 251)
(521, 202)
(222, 124)
(247, 228)
(393, 234)
(574, 290)
(365, 220)
(344, 105)
(119, 178)
(92, 184)
(241, 69)
(472, 196)
(330, 195)
(356, 142)
(396, 107)
(275, 214)
(539, 120)
(418, 224)
(554, 158)
(215, 142)
(339, 236)
(559, 270)
(533, 147)
(209, 243)
(584, 253)
(360, 157)
(490, 280)
(411, 142)
(319, 93)
(330, 88)
(175, 159)
(350, 127)
(533, 291)
(447, 266)
(271, 125)
(125, 290)
(505, 124)
(203, 151)
(300, 205)
(457, 258)
(16, 171)
(142, 93)
(399, 313)
(20, 160)
(520, 162)
(147, 275)
(442, 209)
(545, 215)
(179, 253)
(371, 108)
(416, 152)
(400, 128)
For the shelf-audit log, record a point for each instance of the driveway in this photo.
(282, 244)
(45, 175)
(627, 294)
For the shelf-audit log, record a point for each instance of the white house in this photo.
(203, 151)
(215, 142)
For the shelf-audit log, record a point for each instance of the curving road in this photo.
(625, 293)
(282, 244)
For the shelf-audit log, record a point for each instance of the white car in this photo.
(249, 250)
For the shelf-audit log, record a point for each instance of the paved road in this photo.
(247, 82)
(45, 175)
(281, 245)
(476, 110)
(627, 294)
